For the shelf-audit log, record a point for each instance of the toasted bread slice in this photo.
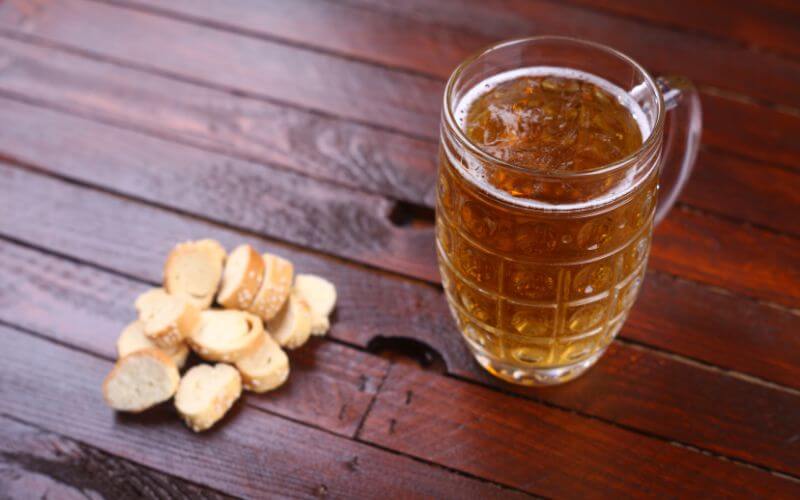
(147, 302)
(241, 280)
(266, 368)
(278, 274)
(320, 295)
(168, 320)
(292, 326)
(226, 335)
(206, 393)
(193, 271)
(133, 339)
(141, 380)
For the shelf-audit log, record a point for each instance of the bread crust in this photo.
(275, 287)
(292, 326)
(266, 368)
(242, 293)
(203, 339)
(218, 404)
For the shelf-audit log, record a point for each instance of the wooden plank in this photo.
(344, 222)
(250, 454)
(704, 409)
(363, 92)
(361, 157)
(752, 131)
(718, 328)
(330, 387)
(767, 24)
(40, 464)
(759, 193)
(750, 261)
(543, 450)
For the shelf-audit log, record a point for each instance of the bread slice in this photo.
(278, 274)
(226, 335)
(133, 339)
(266, 368)
(320, 295)
(241, 280)
(168, 320)
(206, 393)
(147, 302)
(141, 380)
(193, 271)
(292, 326)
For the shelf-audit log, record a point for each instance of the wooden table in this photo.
(308, 128)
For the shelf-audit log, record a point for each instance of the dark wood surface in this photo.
(308, 128)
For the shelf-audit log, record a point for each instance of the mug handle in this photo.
(681, 141)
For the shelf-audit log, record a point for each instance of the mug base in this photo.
(536, 377)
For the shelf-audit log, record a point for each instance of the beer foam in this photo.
(475, 169)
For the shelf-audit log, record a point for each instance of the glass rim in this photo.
(647, 144)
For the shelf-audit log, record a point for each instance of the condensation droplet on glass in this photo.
(566, 239)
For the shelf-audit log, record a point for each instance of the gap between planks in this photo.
(459, 378)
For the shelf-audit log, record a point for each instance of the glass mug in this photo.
(541, 272)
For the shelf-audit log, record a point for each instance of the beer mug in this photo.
(541, 267)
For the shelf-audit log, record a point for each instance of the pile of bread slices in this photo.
(263, 307)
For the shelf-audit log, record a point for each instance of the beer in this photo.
(542, 241)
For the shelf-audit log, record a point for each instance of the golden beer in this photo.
(545, 204)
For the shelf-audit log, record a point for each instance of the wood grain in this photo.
(433, 38)
(405, 102)
(317, 145)
(767, 24)
(718, 328)
(259, 198)
(750, 261)
(344, 222)
(762, 194)
(361, 157)
(639, 385)
(348, 30)
(362, 102)
(749, 130)
(543, 450)
(331, 85)
(330, 386)
(250, 453)
(39, 464)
